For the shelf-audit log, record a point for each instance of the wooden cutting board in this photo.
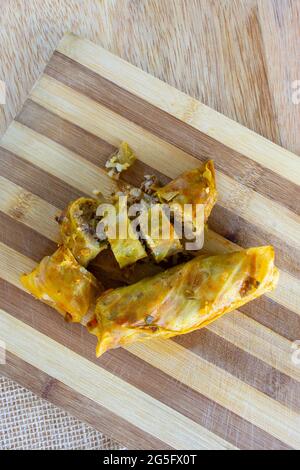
(232, 385)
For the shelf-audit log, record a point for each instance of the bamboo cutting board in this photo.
(232, 385)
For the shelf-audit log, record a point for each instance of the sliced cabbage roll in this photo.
(158, 233)
(78, 230)
(182, 299)
(125, 243)
(61, 282)
(196, 186)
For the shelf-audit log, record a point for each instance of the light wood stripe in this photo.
(84, 409)
(76, 139)
(31, 210)
(13, 264)
(204, 377)
(37, 181)
(182, 106)
(57, 160)
(95, 118)
(24, 239)
(237, 328)
(290, 299)
(105, 388)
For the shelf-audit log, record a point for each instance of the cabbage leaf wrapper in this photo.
(61, 282)
(78, 230)
(182, 299)
(197, 186)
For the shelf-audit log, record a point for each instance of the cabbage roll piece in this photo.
(78, 230)
(120, 161)
(61, 282)
(128, 249)
(158, 233)
(183, 298)
(196, 186)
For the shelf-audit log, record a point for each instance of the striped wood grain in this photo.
(232, 385)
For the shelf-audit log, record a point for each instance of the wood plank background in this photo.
(232, 385)
(238, 56)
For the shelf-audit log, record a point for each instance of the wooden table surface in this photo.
(240, 57)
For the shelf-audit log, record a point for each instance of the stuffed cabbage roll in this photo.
(158, 233)
(62, 283)
(126, 247)
(78, 230)
(196, 186)
(182, 299)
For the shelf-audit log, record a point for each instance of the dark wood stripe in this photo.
(97, 151)
(35, 180)
(172, 130)
(83, 143)
(23, 239)
(244, 366)
(209, 414)
(274, 316)
(243, 233)
(80, 141)
(78, 405)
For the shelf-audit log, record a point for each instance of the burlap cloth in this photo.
(28, 422)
